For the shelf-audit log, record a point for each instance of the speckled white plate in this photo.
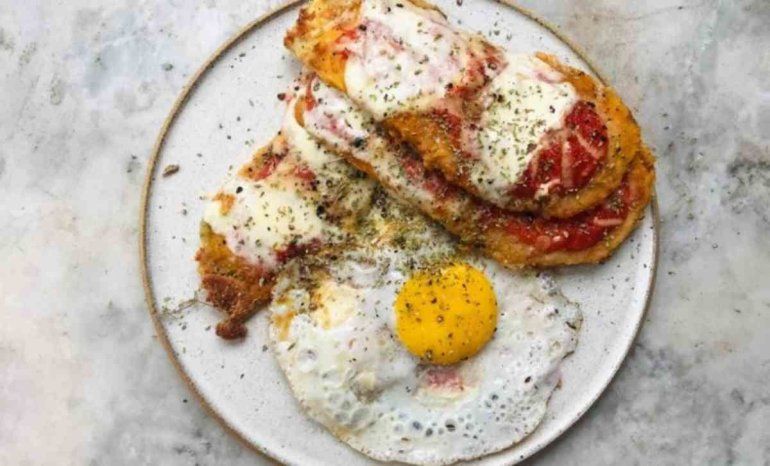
(227, 111)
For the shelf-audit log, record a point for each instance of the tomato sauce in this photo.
(569, 161)
(547, 235)
(293, 250)
(572, 234)
(269, 163)
(304, 173)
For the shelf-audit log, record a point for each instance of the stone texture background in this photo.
(84, 87)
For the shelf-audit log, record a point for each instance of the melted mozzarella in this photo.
(268, 215)
(339, 184)
(404, 59)
(337, 121)
(264, 217)
(340, 123)
(522, 104)
(303, 145)
(406, 56)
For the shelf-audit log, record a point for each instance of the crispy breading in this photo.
(624, 142)
(232, 284)
(641, 179)
(318, 28)
(322, 22)
(459, 214)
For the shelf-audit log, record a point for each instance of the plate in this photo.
(229, 109)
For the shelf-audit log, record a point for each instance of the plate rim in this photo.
(152, 168)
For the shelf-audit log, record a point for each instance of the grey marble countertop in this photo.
(84, 88)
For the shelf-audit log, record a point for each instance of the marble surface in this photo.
(84, 87)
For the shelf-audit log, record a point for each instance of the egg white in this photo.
(344, 362)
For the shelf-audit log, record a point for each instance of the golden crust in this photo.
(323, 22)
(641, 179)
(495, 240)
(624, 142)
(232, 284)
(312, 38)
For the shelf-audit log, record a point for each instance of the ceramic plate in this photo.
(227, 111)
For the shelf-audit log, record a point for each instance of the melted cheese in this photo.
(522, 104)
(339, 122)
(303, 146)
(268, 215)
(404, 58)
(340, 184)
(265, 217)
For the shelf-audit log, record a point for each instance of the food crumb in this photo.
(170, 170)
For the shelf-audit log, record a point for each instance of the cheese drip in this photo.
(525, 102)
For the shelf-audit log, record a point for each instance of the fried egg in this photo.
(409, 348)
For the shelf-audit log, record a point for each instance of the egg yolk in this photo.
(446, 315)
